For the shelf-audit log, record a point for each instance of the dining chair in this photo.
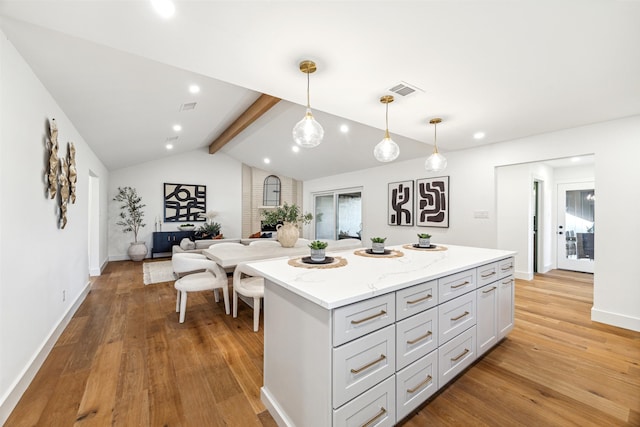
(249, 286)
(202, 275)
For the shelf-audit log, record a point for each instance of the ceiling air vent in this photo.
(187, 106)
(172, 139)
(404, 89)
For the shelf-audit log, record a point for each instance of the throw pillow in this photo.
(255, 235)
(187, 245)
(266, 235)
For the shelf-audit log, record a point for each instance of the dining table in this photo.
(230, 256)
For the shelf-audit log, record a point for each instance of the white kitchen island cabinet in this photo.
(369, 342)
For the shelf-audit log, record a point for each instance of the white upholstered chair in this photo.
(266, 243)
(302, 242)
(250, 287)
(208, 276)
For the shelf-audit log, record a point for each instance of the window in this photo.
(338, 214)
(271, 191)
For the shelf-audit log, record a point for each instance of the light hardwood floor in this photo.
(125, 360)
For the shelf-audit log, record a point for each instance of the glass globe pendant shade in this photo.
(435, 162)
(386, 150)
(308, 133)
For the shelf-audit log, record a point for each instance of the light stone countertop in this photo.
(366, 277)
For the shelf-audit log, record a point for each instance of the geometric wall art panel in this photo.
(432, 202)
(400, 209)
(185, 202)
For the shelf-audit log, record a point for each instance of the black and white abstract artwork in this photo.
(432, 202)
(185, 202)
(400, 210)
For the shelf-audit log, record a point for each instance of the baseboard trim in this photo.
(274, 409)
(522, 275)
(11, 399)
(615, 319)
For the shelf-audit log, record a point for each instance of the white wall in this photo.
(473, 187)
(38, 261)
(220, 173)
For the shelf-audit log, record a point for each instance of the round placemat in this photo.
(393, 254)
(337, 262)
(437, 248)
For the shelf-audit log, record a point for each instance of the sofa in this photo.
(190, 246)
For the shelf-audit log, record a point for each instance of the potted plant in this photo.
(210, 229)
(317, 250)
(131, 220)
(424, 240)
(377, 245)
(286, 219)
(186, 227)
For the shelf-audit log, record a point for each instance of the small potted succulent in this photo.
(424, 240)
(317, 250)
(377, 245)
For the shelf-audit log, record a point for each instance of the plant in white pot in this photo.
(424, 240)
(131, 220)
(317, 250)
(377, 245)
(286, 219)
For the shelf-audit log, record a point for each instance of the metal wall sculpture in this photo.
(62, 174)
(400, 209)
(432, 202)
(185, 202)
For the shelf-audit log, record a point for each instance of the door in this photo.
(338, 214)
(576, 227)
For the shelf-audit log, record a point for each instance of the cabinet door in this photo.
(506, 294)
(487, 321)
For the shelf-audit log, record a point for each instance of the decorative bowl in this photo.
(186, 227)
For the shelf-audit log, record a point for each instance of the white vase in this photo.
(137, 251)
(287, 234)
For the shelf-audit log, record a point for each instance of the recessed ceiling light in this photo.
(575, 159)
(295, 148)
(177, 128)
(266, 160)
(164, 8)
(194, 88)
(169, 146)
(478, 135)
(344, 128)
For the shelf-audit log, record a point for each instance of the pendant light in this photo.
(308, 132)
(435, 162)
(386, 150)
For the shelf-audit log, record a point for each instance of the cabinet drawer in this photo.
(416, 337)
(456, 355)
(455, 316)
(416, 299)
(355, 320)
(487, 274)
(376, 407)
(415, 383)
(361, 364)
(506, 267)
(457, 284)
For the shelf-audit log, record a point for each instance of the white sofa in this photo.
(197, 246)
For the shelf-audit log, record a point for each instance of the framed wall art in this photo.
(400, 209)
(432, 202)
(185, 202)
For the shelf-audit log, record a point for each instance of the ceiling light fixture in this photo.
(169, 146)
(436, 162)
(164, 8)
(478, 135)
(194, 88)
(308, 132)
(295, 148)
(177, 128)
(386, 150)
(344, 128)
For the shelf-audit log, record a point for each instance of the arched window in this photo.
(271, 191)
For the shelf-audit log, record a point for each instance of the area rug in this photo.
(157, 272)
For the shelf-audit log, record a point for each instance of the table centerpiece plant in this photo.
(377, 245)
(424, 240)
(286, 219)
(318, 250)
(132, 220)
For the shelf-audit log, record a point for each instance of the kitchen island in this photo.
(369, 339)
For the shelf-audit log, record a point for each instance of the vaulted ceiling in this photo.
(508, 68)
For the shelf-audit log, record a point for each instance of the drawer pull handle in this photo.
(460, 285)
(368, 365)
(357, 322)
(427, 335)
(458, 357)
(489, 290)
(484, 276)
(466, 313)
(507, 267)
(419, 386)
(415, 301)
(507, 281)
(373, 420)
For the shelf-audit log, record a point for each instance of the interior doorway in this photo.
(576, 226)
(536, 217)
(93, 223)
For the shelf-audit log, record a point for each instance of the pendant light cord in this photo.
(308, 102)
(435, 137)
(386, 118)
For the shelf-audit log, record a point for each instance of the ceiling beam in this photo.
(251, 114)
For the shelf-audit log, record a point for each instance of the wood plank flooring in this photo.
(125, 360)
